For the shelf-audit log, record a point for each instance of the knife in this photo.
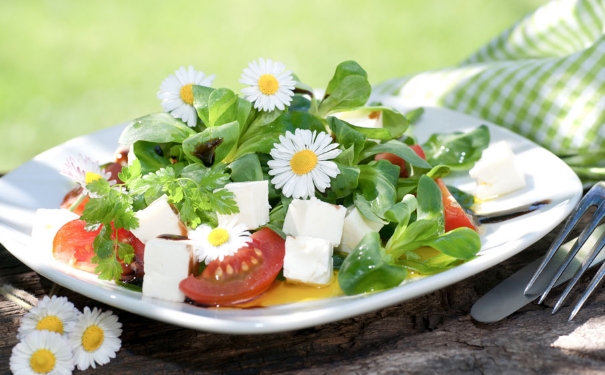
(508, 296)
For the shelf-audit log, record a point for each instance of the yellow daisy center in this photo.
(267, 84)
(42, 361)
(303, 162)
(50, 323)
(92, 339)
(218, 236)
(91, 176)
(187, 94)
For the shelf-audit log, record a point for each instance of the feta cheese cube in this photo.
(362, 118)
(314, 218)
(156, 219)
(167, 263)
(308, 260)
(47, 223)
(253, 202)
(355, 227)
(497, 172)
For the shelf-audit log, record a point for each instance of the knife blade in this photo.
(508, 296)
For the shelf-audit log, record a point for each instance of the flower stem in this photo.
(77, 202)
(19, 297)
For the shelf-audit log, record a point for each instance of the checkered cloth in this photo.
(543, 78)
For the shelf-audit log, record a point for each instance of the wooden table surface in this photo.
(433, 334)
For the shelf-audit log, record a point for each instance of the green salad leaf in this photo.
(458, 150)
(368, 269)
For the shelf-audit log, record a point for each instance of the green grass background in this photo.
(68, 68)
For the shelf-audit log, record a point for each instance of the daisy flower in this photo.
(270, 85)
(301, 163)
(42, 352)
(224, 240)
(54, 314)
(95, 338)
(84, 170)
(176, 93)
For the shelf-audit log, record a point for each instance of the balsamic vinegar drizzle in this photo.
(173, 237)
(501, 216)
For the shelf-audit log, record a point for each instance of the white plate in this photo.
(37, 184)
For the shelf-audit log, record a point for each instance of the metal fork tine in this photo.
(594, 197)
(593, 284)
(590, 199)
(596, 218)
(586, 262)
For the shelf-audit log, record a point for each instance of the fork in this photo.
(594, 197)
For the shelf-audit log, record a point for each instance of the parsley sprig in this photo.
(195, 190)
(111, 210)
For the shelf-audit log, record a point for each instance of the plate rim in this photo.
(307, 313)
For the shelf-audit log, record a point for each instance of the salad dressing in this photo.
(282, 292)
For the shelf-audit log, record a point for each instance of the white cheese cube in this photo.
(167, 263)
(156, 219)
(362, 118)
(253, 202)
(314, 218)
(497, 172)
(308, 260)
(47, 223)
(356, 226)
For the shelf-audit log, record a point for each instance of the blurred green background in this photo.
(68, 68)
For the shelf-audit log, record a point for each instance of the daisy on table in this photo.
(95, 338)
(54, 314)
(270, 85)
(42, 352)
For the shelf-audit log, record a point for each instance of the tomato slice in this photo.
(239, 277)
(73, 245)
(396, 160)
(454, 214)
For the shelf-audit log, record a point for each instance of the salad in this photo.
(221, 198)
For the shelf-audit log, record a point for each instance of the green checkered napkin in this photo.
(544, 78)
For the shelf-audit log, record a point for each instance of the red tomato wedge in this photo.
(73, 245)
(455, 217)
(239, 277)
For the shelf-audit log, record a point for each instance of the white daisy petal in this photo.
(329, 168)
(289, 187)
(278, 164)
(329, 155)
(281, 179)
